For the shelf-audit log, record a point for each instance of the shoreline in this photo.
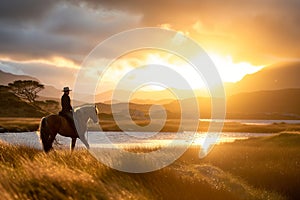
(172, 125)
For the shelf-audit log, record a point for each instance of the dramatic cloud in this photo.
(255, 31)
(57, 29)
(24, 10)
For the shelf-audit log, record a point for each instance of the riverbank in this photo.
(258, 168)
(171, 125)
(18, 124)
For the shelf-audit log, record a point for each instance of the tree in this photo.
(26, 89)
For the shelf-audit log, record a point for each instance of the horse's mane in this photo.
(83, 107)
(82, 114)
(84, 110)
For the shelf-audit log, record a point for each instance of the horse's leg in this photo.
(52, 138)
(84, 141)
(73, 143)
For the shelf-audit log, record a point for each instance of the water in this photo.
(31, 139)
(254, 121)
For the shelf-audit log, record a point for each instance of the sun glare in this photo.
(231, 71)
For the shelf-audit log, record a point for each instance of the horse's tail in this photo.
(44, 134)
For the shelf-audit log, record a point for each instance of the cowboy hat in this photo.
(66, 89)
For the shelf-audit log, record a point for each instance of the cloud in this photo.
(257, 31)
(46, 73)
(26, 10)
(59, 29)
(6, 67)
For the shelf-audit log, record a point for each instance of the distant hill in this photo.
(149, 97)
(13, 106)
(274, 104)
(48, 91)
(280, 103)
(273, 92)
(6, 78)
(273, 77)
(271, 104)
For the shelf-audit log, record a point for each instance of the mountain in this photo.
(273, 77)
(6, 78)
(282, 103)
(49, 91)
(148, 96)
(272, 104)
(273, 92)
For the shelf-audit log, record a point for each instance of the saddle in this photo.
(64, 115)
(69, 118)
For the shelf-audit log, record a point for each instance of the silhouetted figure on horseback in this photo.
(67, 110)
(52, 125)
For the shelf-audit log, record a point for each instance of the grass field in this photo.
(261, 168)
(271, 163)
(22, 124)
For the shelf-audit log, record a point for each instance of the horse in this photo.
(52, 125)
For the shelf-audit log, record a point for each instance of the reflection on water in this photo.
(254, 121)
(102, 139)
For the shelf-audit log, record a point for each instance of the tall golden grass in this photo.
(252, 169)
(270, 163)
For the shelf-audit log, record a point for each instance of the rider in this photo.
(67, 108)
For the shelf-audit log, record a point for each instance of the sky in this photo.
(49, 39)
